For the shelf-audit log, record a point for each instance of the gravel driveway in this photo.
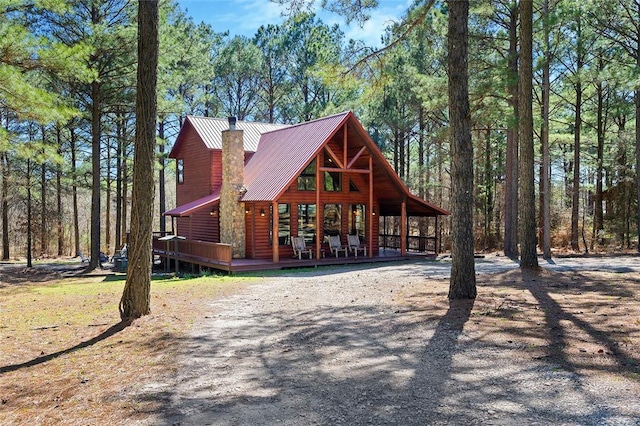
(341, 346)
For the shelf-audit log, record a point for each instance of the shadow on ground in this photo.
(511, 357)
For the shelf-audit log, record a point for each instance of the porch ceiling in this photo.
(392, 206)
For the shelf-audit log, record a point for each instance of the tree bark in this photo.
(96, 116)
(5, 205)
(161, 178)
(43, 199)
(511, 160)
(135, 300)
(74, 189)
(528, 254)
(546, 160)
(107, 202)
(462, 283)
(59, 210)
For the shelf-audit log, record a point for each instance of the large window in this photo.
(357, 220)
(180, 170)
(332, 180)
(307, 222)
(332, 219)
(284, 224)
(307, 179)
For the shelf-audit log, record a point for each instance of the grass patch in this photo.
(65, 357)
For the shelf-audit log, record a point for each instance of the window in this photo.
(307, 222)
(357, 221)
(284, 224)
(332, 180)
(180, 170)
(353, 187)
(332, 219)
(307, 179)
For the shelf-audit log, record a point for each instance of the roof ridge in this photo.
(200, 117)
(304, 123)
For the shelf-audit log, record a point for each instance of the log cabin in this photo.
(244, 190)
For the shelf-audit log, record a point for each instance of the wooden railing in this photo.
(194, 251)
(414, 243)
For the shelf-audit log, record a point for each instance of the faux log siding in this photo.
(200, 226)
(216, 169)
(204, 227)
(197, 161)
(258, 244)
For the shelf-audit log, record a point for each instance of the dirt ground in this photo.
(381, 345)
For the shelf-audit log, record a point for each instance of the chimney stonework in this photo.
(232, 221)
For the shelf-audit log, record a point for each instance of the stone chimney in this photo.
(232, 225)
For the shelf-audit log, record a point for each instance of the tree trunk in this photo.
(4, 159)
(119, 162)
(575, 188)
(511, 158)
(528, 255)
(96, 116)
(107, 202)
(59, 210)
(125, 185)
(95, 183)
(545, 194)
(462, 283)
(161, 178)
(74, 189)
(43, 199)
(598, 211)
(29, 219)
(135, 300)
(637, 105)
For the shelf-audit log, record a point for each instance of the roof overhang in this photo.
(201, 203)
(416, 207)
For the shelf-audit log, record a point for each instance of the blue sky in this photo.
(244, 17)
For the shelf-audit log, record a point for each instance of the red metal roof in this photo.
(210, 131)
(200, 203)
(284, 153)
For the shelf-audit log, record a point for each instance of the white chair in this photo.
(336, 246)
(300, 247)
(355, 245)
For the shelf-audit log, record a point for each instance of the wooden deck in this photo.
(178, 254)
(187, 264)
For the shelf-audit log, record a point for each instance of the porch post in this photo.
(318, 182)
(275, 240)
(371, 216)
(403, 228)
(436, 244)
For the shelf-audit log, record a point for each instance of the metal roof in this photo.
(210, 130)
(284, 153)
(187, 209)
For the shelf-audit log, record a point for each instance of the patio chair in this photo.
(355, 245)
(336, 246)
(300, 247)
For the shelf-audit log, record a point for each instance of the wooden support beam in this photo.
(275, 240)
(334, 157)
(344, 143)
(371, 216)
(335, 169)
(355, 157)
(403, 228)
(318, 240)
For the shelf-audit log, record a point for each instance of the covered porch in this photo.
(180, 255)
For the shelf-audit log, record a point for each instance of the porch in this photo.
(178, 254)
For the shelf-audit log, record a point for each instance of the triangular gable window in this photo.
(353, 187)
